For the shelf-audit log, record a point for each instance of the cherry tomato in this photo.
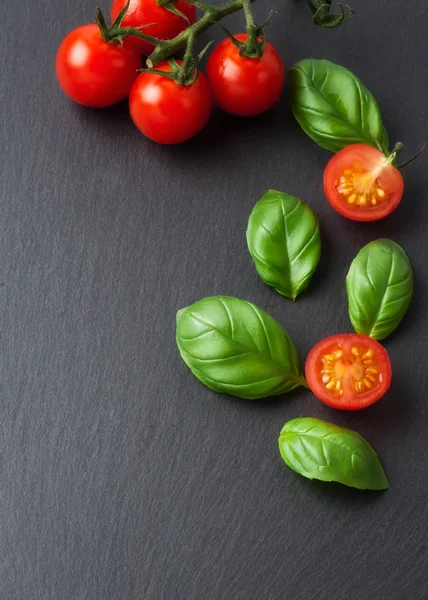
(93, 72)
(245, 86)
(348, 371)
(166, 112)
(361, 185)
(166, 24)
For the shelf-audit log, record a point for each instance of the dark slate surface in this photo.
(122, 477)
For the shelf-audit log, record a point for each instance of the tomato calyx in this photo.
(256, 40)
(170, 6)
(322, 16)
(116, 34)
(187, 72)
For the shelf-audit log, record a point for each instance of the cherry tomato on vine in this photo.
(348, 371)
(245, 86)
(166, 112)
(166, 24)
(361, 184)
(93, 72)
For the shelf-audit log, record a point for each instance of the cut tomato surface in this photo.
(361, 184)
(348, 371)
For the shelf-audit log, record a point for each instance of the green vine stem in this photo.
(399, 147)
(165, 49)
(212, 14)
(253, 46)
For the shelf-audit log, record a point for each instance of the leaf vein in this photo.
(305, 246)
(257, 352)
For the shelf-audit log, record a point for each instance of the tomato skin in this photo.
(373, 162)
(245, 86)
(349, 399)
(166, 112)
(93, 72)
(166, 24)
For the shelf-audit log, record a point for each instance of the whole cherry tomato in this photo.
(348, 371)
(361, 184)
(166, 24)
(245, 86)
(93, 72)
(166, 112)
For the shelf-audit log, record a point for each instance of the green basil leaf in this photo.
(380, 288)
(234, 347)
(333, 107)
(319, 450)
(283, 238)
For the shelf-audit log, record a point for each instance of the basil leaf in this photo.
(333, 107)
(380, 288)
(319, 450)
(234, 347)
(283, 238)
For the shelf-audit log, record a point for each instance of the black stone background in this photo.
(122, 477)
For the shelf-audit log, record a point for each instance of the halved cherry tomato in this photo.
(361, 184)
(166, 24)
(241, 85)
(93, 72)
(166, 112)
(348, 371)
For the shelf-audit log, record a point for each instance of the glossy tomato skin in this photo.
(358, 362)
(166, 112)
(383, 192)
(245, 86)
(93, 72)
(166, 24)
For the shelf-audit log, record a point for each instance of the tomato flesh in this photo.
(163, 23)
(361, 185)
(245, 86)
(348, 371)
(166, 112)
(93, 72)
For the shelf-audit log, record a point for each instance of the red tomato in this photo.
(93, 72)
(361, 185)
(143, 12)
(348, 371)
(245, 86)
(166, 112)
